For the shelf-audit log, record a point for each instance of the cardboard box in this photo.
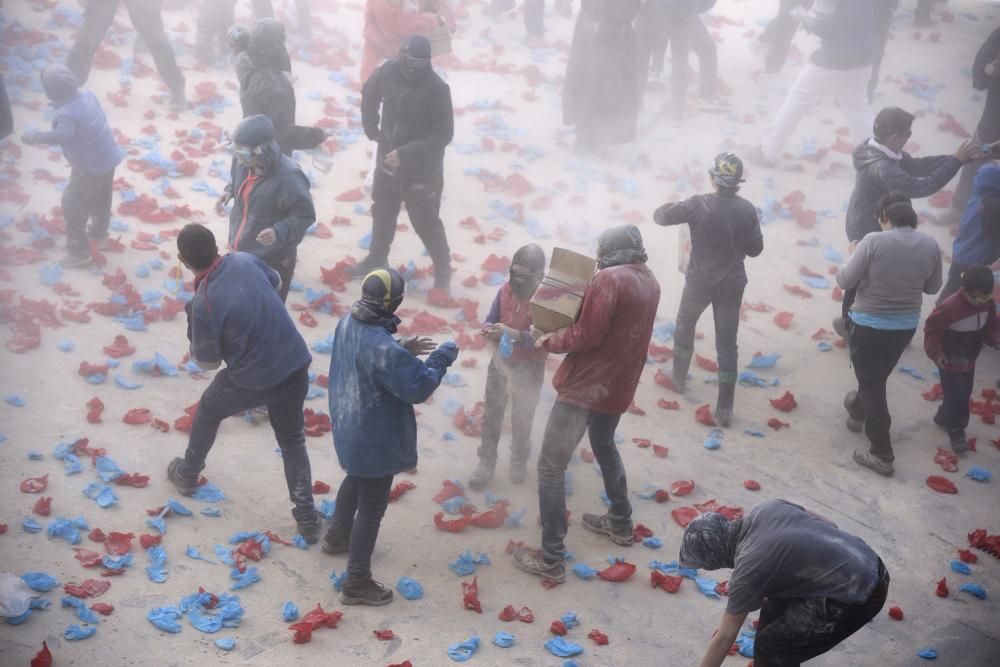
(557, 301)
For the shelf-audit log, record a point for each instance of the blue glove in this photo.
(447, 351)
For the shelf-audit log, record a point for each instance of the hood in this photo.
(267, 45)
(59, 82)
(620, 245)
(987, 180)
(866, 155)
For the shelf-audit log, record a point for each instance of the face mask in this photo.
(413, 68)
(524, 284)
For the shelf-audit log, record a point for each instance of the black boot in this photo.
(682, 362)
(724, 406)
(365, 592)
(185, 483)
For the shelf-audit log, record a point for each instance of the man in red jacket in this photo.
(605, 354)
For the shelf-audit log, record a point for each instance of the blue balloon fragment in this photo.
(107, 469)
(75, 632)
(503, 639)
(208, 493)
(226, 643)
(744, 643)
(82, 612)
(29, 525)
(928, 653)
(14, 400)
(978, 474)
(337, 580)
(409, 588)
(110, 562)
(300, 542)
(326, 508)
(65, 529)
(225, 555)
(584, 571)
(463, 650)
(102, 494)
(764, 361)
(466, 564)
(156, 574)
(177, 508)
(823, 346)
(193, 553)
(652, 542)
(165, 618)
(213, 512)
(570, 620)
(126, 384)
(974, 589)
(39, 581)
(454, 504)
(561, 648)
(959, 567)
(707, 586)
(244, 579)
(289, 612)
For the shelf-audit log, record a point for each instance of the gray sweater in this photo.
(892, 270)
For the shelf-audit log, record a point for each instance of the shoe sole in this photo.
(349, 601)
(620, 541)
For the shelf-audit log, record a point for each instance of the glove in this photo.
(448, 352)
(239, 38)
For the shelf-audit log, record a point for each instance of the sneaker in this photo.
(186, 486)
(309, 530)
(72, 261)
(366, 592)
(855, 421)
(482, 476)
(602, 525)
(334, 544)
(532, 562)
(518, 470)
(959, 444)
(872, 462)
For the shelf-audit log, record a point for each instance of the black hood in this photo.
(59, 82)
(267, 45)
(620, 245)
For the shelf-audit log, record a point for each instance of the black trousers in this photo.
(684, 33)
(87, 197)
(725, 297)
(285, 267)
(147, 21)
(423, 205)
(953, 412)
(566, 426)
(215, 17)
(793, 631)
(523, 384)
(874, 355)
(778, 35)
(284, 403)
(357, 517)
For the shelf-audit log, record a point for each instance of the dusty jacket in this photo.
(414, 118)
(279, 198)
(79, 125)
(374, 383)
(606, 347)
(879, 174)
(974, 244)
(956, 330)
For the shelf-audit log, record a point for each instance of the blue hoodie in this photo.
(79, 126)
(972, 246)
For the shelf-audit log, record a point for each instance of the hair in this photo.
(196, 245)
(978, 279)
(892, 121)
(897, 209)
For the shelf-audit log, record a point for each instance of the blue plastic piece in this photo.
(506, 347)
(979, 474)
(326, 508)
(823, 346)
(156, 574)
(103, 494)
(764, 361)
(29, 525)
(19, 619)
(126, 384)
(584, 571)
(652, 542)
(213, 512)
(514, 518)
(208, 493)
(959, 567)
(454, 504)
(707, 586)
(225, 555)
(912, 372)
(289, 612)
(409, 588)
(300, 542)
(192, 552)
(561, 648)
(14, 400)
(110, 562)
(72, 464)
(226, 643)
(466, 564)
(76, 632)
(157, 556)
(744, 643)
(462, 651)
(244, 579)
(503, 639)
(107, 469)
(64, 529)
(40, 581)
(82, 613)
(177, 508)
(570, 620)
(974, 589)
(674, 569)
(165, 618)
(928, 653)
(66, 345)
(337, 580)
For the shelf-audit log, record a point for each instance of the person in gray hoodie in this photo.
(81, 129)
(891, 271)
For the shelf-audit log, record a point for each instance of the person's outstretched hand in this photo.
(220, 203)
(967, 151)
(418, 345)
(448, 350)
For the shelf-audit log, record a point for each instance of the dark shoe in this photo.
(482, 476)
(855, 420)
(872, 462)
(602, 525)
(335, 544)
(186, 486)
(518, 470)
(724, 405)
(959, 444)
(532, 562)
(309, 530)
(364, 267)
(74, 261)
(365, 592)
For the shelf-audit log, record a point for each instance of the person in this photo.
(978, 239)
(534, 16)
(374, 382)
(891, 271)
(215, 17)
(516, 370)
(236, 316)
(882, 166)
(262, 62)
(778, 35)
(605, 353)
(814, 584)
(601, 89)
(148, 22)
(272, 207)
(81, 129)
(954, 335)
(6, 115)
(985, 76)
(389, 23)
(725, 230)
(840, 67)
(411, 142)
(884, 11)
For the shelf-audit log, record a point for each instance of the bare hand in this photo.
(967, 151)
(392, 160)
(267, 237)
(494, 332)
(418, 345)
(220, 203)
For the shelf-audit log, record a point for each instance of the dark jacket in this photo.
(879, 174)
(6, 115)
(989, 125)
(79, 125)
(725, 229)
(975, 244)
(414, 118)
(956, 330)
(846, 29)
(374, 383)
(238, 317)
(606, 347)
(279, 198)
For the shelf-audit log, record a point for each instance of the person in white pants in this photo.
(840, 68)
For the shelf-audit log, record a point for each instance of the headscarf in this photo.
(525, 283)
(381, 293)
(710, 541)
(620, 245)
(267, 45)
(59, 82)
(253, 141)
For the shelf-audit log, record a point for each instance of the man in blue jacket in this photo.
(81, 129)
(374, 382)
(237, 317)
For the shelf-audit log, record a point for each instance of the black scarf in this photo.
(370, 313)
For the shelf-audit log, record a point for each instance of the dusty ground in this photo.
(915, 530)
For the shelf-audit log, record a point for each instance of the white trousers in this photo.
(813, 86)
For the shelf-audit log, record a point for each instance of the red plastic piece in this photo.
(664, 380)
(96, 535)
(967, 556)
(399, 489)
(492, 518)
(508, 614)
(798, 291)
(525, 615)
(684, 515)
(988, 543)
(947, 460)
(668, 405)
(34, 484)
(640, 532)
(384, 635)
(352, 195)
(120, 348)
(751, 485)
(102, 608)
(558, 628)
(43, 506)
(146, 541)
(642, 442)
(320, 487)
(470, 596)
(617, 573)
(783, 319)
(777, 424)
(669, 583)
(704, 415)
(43, 658)
(451, 525)
(786, 403)
(936, 393)
(941, 484)
(682, 487)
(87, 557)
(661, 496)
(896, 613)
(706, 364)
(118, 544)
(942, 588)
(448, 490)
(137, 416)
(89, 588)
(599, 637)
(133, 479)
(94, 409)
(661, 451)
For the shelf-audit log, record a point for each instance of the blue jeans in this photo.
(360, 507)
(566, 426)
